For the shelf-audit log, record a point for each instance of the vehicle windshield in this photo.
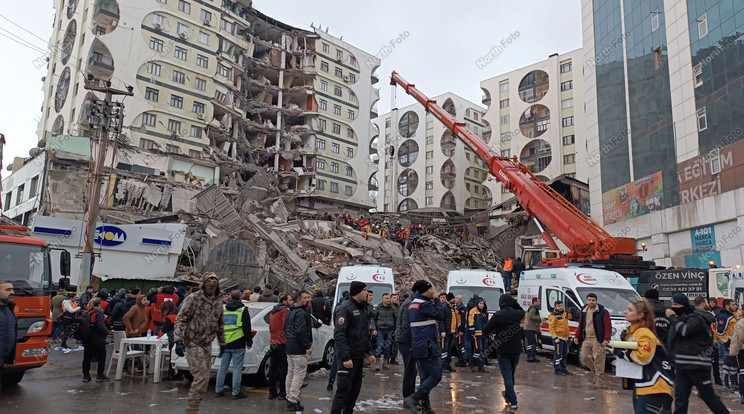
(490, 295)
(377, 288)
(614, 300)
(26, 266)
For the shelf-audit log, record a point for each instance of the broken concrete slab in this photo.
(328, 245)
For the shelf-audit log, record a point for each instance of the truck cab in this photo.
(571, 285)
(487, 283)
(736, 285)
(376, 276)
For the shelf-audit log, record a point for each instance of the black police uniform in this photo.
(351, 334)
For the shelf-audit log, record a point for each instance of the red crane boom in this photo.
(584, 237)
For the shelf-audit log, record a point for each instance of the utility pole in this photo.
(106, 118)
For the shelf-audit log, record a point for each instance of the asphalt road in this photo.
(57, 387)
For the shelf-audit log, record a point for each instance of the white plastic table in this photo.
(143, 340)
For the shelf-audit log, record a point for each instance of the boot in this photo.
(412, 402)
(378, 366)
(384, 364)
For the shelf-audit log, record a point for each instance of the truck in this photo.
(720, 283)
(25, 262)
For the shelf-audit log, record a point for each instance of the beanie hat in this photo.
(681, 299)
(356, 287)
(651, 294)
(421, 286)
(450, 296)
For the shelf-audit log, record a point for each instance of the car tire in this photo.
(328, 355)
(263, 371)
(10, 379)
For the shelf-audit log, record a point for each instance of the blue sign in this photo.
(109, 236)
(701, 260)
(703, 239)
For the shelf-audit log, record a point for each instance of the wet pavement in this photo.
(57, 386)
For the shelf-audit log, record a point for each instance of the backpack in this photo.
(83, 327)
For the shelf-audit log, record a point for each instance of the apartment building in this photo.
(536, 113)
(220, 82)
(664, 103)
(425, 166)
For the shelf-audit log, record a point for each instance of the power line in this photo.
(25, 30)
(22, 42)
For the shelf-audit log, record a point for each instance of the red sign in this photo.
(351, 277)
(461, 280)
(586, 279)
(489, 281)
(377, 277)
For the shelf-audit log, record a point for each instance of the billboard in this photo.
(692, 282)
(634, 199)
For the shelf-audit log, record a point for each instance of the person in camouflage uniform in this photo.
(199, 322)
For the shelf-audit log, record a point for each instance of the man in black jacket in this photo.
(660, 319)
(403, 339)
(237, 324)
(690, 350)
(318, 307)
(299, 331)
(351, 334)
(8, 324)
(505, 324)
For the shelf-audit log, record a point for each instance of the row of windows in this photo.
(338, 72)
(337, 90)
(176, 101)
(320, 164)
(339, 54)
(169, 148)
(178, 52)
(321, 184)
(174, 126)
(320, 144)
(323, 105)
(20, 193)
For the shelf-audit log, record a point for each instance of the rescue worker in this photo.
(463, 337)
(532, 329)
(423, 313)
(476, 321)
(652, 393)
(351, 334)
(199, 322)
(403, 340)
(236, 321)
(8, 325)
(507, 273)
(448, 329)
(559, 331)
(595, 331)
(278, 349)
(725, 324)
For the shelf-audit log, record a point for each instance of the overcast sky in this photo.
(440, 42)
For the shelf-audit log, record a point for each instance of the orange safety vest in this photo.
(508, 265)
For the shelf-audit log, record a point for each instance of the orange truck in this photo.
(25, 262)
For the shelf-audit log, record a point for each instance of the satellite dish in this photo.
(34, 152)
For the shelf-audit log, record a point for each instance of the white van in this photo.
(486, 282)
(376, 276)
(735, 284)
(571, 285)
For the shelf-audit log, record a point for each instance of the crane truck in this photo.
(588, 243)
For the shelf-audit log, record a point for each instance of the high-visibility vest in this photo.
(233, 324)
(508, 265)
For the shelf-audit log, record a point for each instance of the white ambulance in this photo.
(376, 276)
(486, 282)
(571, 285)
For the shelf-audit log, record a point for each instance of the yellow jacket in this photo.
(558, 326)
(644, 355)
(728, 326)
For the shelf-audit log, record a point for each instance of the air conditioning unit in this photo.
(158, 26)
(114, 23)
(207, 22)
(183, 35)
(200, 116)
(347, 79)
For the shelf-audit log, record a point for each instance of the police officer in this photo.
(403, 338)
(424, 312)
(351, 334)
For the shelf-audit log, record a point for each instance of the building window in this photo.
(205, 15)
(204, 38)
(326, 48)
(320, 184)
(182, 29)
(504, 87)
(566, 86)
(336, 129)
(226, 26)
(566, 67)
(505, 119)
(19, 194)
(334, 187)
(176, 101)
(184, 6)
(196, 131)
(321, 125)
(324, 66)
(430, 169)
(387, 123)
(429, 124)
(198, 108)
(320, 164)
(194, 154)
(654, 20)
(504, 103)
(506, 153)
(153, 69)
(350, 152)
(658, 61)
(335, 148)
(430, 185)
(151, 94)
(202, 61)
(158, 20)
(505, 137)
(568, 121)
(337, 109)
(568, 140)
(334, 167)
(339, 72)
(156, 44)
(323, 85)
(352, 78)
(569, 159)
(200, 84)
(338, 91)
(429, 155)
(348, 190)
(179, 77)
(320, 144)
(702, 119)
(351, 115)
(223, 70)
(352, 61)
(567, 103)
(322, 104)
(339, 54)
(172, 149)
(697, 71)
(174, 126)
(349, 133)
(467, 186)
(349, 172)
(33, 187)
(146, 144)
(180, 53)
(148, 119)
(702, 22)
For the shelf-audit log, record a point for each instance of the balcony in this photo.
(486, 100)
(374, 78)
(106, 16)
(448, 174)
(448, 206)
(100, 62)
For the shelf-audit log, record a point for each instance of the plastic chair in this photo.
(130, 353)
